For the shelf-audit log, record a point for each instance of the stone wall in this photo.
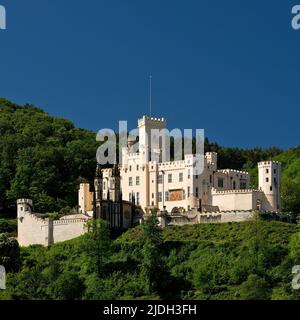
(35, 230)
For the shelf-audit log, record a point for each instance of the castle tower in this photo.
(115, 202)
(212, 159)
(98, 194)
(85, 198)
(115, 184)
(269, 180)
(24, 205)
(146, 125)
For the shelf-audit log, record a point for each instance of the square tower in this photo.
(269, 180)
(146, 125)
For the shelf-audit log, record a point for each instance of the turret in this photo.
(98, 194)
(269, 180)
(115, 184)
(98, 183)
(24, 205)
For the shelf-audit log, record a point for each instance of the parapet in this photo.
(268, 163)
(146, 119)
(233, 171)
(235, 191)
(27, 201)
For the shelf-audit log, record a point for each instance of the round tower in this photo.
(269, 180)
(24, 205)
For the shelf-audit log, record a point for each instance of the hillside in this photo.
(42, 157)
(250, 260)
(45, 158)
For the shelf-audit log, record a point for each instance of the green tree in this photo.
(254, 288)
(97, 245)
(152, 267)
(68, 286)
(9, 253)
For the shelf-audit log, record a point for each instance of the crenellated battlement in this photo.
(34, 216)
(238, 191)
(233, 171)
(25, 201)
(268, 163)
(68, 221)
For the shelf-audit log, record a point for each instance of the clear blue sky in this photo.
(231, 67)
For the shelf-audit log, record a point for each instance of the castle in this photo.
(174, 186)
(124, 193)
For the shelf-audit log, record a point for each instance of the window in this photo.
(104, 184)
(180, 177)
(130, 181)
(267, 170)
(275, 181)
(189, 192)
(197, 192)
(267, 179)
(274, 171)
(189, 174)
(137, 180)
(271, 188)
(152, 195)
(130, 168)
(160, 179)
(220, 183)
(197, 176)
(234, 185)
(243, 185)
(138, 198)
(170, 178)
(130, 197)
(160, 197)
(167, 196)
(137, 167)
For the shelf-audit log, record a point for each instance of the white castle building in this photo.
(175, 187)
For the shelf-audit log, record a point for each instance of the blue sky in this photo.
(231, 67)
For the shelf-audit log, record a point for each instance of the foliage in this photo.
(152, 268)
(8, 226)
(97, 245)
(42, 157)
(9, 253)
(249, 260)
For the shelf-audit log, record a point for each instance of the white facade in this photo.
(176, 186)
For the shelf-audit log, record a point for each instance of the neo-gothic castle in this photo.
(175, 187)
(124, 193)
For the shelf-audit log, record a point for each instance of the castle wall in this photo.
(237, 199)
(31, 229)
(67, 229)
(34, 230)
(209, 217)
